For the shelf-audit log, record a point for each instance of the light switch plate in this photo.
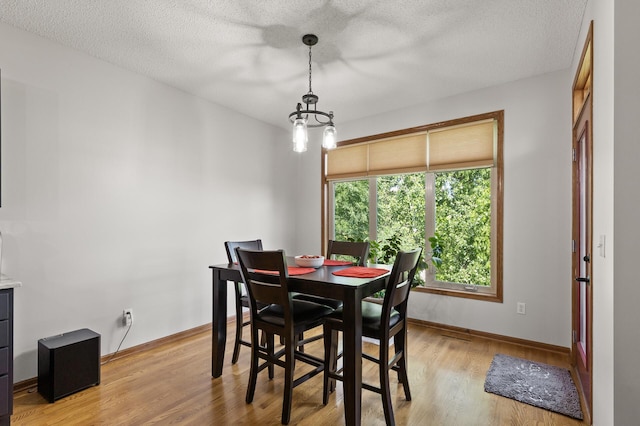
(602, 245)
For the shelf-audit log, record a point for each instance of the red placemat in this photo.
(293, 270)
(330, 262)
(361, 272)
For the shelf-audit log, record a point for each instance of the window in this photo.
(443, 179)
(351, 210)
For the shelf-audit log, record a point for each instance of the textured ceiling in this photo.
(372, 57)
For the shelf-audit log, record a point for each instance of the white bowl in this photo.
(309, 261)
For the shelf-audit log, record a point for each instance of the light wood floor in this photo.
(172, 384)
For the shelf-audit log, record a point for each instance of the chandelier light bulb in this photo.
(329, 137)
(300, 137)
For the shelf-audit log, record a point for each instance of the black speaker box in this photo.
(68, 363)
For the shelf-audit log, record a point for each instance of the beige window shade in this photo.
(348, 161)
(398, 154)
(461, 146)
(470, 145)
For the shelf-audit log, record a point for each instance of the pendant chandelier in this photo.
(302, 119)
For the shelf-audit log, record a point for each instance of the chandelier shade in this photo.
(300, 136)
(310, 116)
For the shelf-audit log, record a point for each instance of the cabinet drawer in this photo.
(4, 305)
(4, 361)
(4, 333)
(5, 394)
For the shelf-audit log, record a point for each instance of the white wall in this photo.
(537, 209)
(616, 339)
(308, 198)
(626, 154)
(118, 192)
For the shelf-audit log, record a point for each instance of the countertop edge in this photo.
(7, 282)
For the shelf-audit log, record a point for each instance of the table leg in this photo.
(352, 359)
(219, 332)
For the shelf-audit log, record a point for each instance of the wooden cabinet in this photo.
(6, 355)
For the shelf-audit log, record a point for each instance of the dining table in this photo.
(320, 282)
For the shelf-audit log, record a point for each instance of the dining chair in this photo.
(380, 322)
(242, 299)
(357, 251)
(266, 275)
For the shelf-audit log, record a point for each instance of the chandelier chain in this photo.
(310, 116)
(310, 91)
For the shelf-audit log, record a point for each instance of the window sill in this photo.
(488, 297)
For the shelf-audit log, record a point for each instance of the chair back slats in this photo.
(357, 250)
(266, 292)
(400, 294)
(265, 288)
(231, 246)
(399, 284)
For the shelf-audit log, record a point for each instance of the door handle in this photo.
(586, 279)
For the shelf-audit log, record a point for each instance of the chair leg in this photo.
(385, 389)
(253, 371)
(334, 349)
(271, 350)
(290, 363)
(400, 342)
(239, 327)
(330, 361)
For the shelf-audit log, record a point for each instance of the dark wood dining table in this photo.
(321, 282)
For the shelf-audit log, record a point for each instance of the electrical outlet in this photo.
(521, 308)
(127, 317)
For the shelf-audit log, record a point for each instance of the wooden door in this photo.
(582, 281)
(582, 300)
